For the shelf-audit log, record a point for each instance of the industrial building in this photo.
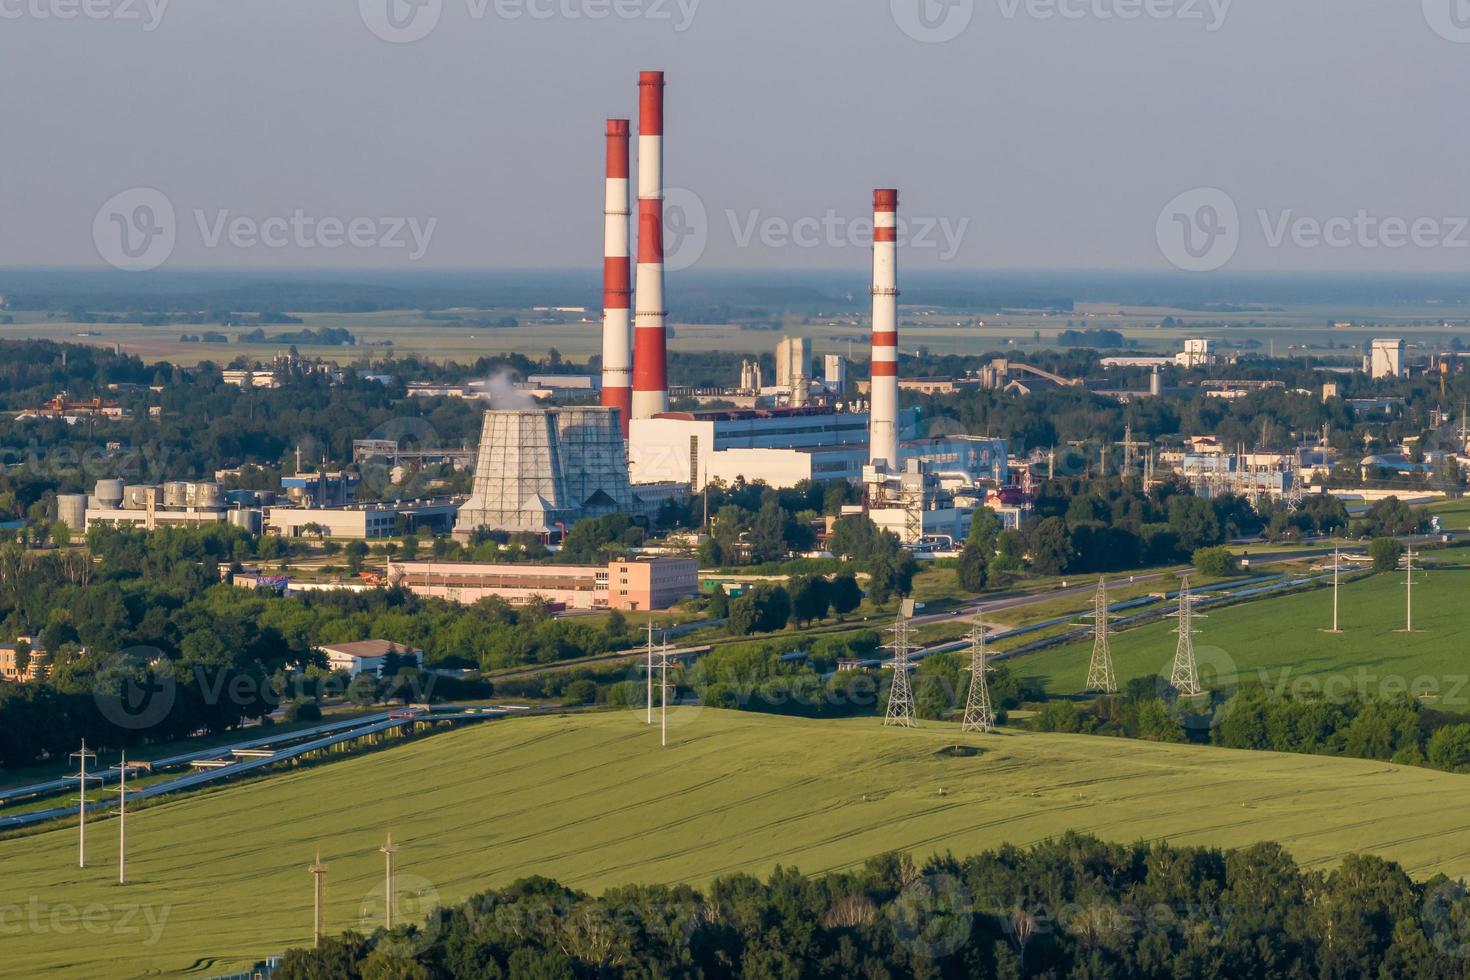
(640, 584)
(366, 521)
(1385, 360)
(369, 656)
(148, 506)
(543, 470)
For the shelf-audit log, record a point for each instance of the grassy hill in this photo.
(592, 800)
(1258, 641)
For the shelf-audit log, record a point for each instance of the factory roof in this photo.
(746, 414)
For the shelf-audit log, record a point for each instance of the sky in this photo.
(1205, 135)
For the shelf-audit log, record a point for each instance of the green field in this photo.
(1258, 641)
(591, 799)
(578, 336)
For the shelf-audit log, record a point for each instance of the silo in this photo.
(207, 496)
(176, 495)
(139, 496)
(249, 520)
(71, 510)
(109, 494)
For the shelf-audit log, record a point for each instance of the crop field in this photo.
(578, 336)
(1282, 640)
(220, 879)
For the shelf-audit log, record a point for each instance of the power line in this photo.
(1100, 675)
(979, 715)
(1185, 676)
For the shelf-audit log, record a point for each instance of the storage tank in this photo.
(139, 496)
(109, 494)
(71, 510)
(249, 520)
(176, 495)
(207, 496)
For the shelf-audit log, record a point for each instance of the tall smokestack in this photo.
(650, 370)
(883, 423)
(617, 323)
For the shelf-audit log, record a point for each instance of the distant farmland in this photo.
(1271, 639)
(591, 800)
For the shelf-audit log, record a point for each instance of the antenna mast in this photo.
(979, 715)
(81, 777)
(1100, 671)
(1185, 676)
(901, 694)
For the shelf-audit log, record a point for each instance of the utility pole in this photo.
(979, 714)
(1100, 675)
(1409, 589)
(318, 871)
(81, 777)
(649, 719)
(663, 705)
(122, 768)
(901, 695)
(389, 850)
(1336, 568)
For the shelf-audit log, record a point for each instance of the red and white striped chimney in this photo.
(883, 422)
(617, 322)
(650, 368)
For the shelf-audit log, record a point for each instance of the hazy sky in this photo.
(1047, 134)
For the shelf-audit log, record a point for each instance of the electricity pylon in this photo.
(81, 778)
(901, 694)
(1408, 567)
(979, 715)
(1185, 676)
(1100, 671)
(663, 695)
(1336, 569)
(123, 769)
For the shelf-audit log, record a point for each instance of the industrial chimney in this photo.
(617, 325)
(650, 370)
(883, 423)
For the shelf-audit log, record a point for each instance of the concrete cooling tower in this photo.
(540, 468)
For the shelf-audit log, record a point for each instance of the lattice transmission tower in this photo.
(979, 715)
(1185, 676)
(1100, 675)
(901, 694)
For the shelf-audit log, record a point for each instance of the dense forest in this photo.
(1068, 908)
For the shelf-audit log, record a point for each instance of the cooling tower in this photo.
(539, 468)
(519, 480)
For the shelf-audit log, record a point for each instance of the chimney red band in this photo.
(651, 103)
(650, 230)
(617, 148)
(616, 284)
(885, 200)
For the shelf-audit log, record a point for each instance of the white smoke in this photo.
(501, 389)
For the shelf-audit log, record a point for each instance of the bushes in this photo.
(1215, 562)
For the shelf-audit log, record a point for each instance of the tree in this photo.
(809, 599)
(1051, 547)
(1449, 748)
(1386, 554)
(60, 534)
(719, 603)
(764, 609)
(844, 593)
(972, 569)
(1156, 724)
(768, 540)
(1215, 562)
(1195, 521)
